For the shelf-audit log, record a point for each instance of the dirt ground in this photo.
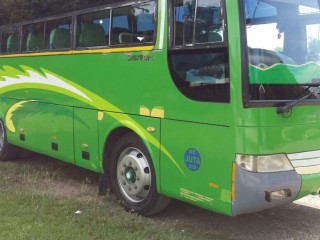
(298, 220)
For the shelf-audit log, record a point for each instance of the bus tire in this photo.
(7, 151)
(133, 177)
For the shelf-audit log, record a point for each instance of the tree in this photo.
(17, 10)
(12, 11)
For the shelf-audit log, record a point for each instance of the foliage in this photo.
(17, 10)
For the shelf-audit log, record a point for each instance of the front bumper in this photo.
(252, 188)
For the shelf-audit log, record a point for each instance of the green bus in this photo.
(212, 102)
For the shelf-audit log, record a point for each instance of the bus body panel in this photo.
(20, 121)
(201, 172)
(278, 139)
(267, 117)
(146, 83)
(86, 139)
(310, 185)
(54, 127)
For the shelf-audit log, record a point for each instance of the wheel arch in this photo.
(115, 134)
(109, 144)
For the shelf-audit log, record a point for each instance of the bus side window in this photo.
(58, 33)
(33, 37)
(59, 38)
(12, 43)
(145, 26)
(93, 29)
(9, 40)
(91, 35)
(133, 24)
(120, 27)
(198, 25)
(208, 23)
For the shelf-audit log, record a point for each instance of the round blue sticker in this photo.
(192, 159)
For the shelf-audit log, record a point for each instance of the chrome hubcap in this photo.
(133, 175)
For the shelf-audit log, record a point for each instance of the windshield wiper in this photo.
(289, 106)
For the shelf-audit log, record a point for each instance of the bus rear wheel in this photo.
(133, 177)
(7, 151)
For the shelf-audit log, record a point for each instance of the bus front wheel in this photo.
(133, 177)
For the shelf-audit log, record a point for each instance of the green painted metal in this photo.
(86, 139)
(208, 186)
(310, 185)
(54, 131)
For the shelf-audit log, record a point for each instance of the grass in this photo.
(39, 198)
(28, 216)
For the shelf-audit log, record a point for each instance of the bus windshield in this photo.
(283, 46)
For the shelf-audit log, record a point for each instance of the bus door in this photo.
(196, 129)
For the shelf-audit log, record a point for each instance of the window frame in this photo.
(74, 31)
(213, 47)
(247, 103)
(171, 26)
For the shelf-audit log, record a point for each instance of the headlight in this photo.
(264, 163)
